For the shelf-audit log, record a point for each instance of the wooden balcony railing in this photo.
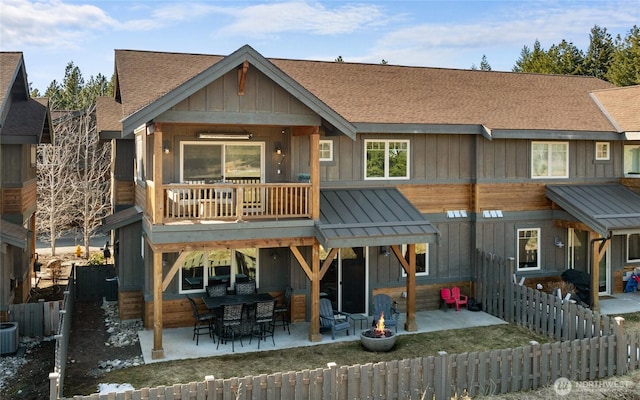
(237, 201)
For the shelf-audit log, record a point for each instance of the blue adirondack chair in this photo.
(332, 319)
(382, 304)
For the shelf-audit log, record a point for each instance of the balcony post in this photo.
(158, 192)
(314, 161)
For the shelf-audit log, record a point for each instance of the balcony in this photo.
(236, 201)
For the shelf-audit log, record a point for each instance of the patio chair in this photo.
(230, 324)
(382, 304)
(332, 319)
(283, 310)
(262, 324)
(446, 299)
(460, 299)
(217, 290)
(203, 324)
(246, 287)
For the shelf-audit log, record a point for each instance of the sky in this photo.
(430, 33)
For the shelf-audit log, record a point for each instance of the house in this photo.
(346, 180)
(24, 123)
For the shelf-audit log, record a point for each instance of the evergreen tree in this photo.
(600, 53)
(625, 67)
(565, 58)
(537, 60)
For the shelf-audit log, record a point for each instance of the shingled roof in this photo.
(622, 105)
(388, 94)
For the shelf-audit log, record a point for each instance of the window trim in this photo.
(627, 148)
(330, 143)
(538, 250)
(426, 260)
(140, 150)
(386, 159)
(598, 146)
(632, 260)
(549, 170)
(233, 272)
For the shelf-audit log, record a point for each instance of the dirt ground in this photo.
(86, 350)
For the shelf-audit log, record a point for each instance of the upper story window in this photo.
(550, 159)
(528, 250)
(326, 150)
(633, 247)
(211, 162)
(632, 160)
(422, 259)
(386, 159)
(602, 151)
(139, 157)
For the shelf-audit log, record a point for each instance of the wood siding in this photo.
(19, 200)
(123, 193)
(427, 296)
(130, 305)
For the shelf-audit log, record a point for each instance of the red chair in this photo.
(446, 298)
(459, 299)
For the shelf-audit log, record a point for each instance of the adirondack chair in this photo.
(332, 319)
(460, 299)
(382, 304)
(446, 299)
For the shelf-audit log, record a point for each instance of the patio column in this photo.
(314, 325)
(158, 351)
(410, 324)
(158, 190)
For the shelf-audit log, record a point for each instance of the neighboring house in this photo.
(346, 180)
(24, 123)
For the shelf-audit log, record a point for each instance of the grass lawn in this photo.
(350, 353)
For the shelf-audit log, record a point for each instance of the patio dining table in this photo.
(246, 299)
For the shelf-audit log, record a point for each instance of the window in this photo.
(549, 159)
(528, 250)
(633, 247)
(202, 267)
(386, 159)
(602, 151)
(212, 162)
(422, 259)
(139, 157)
(326, 150)
(632, 160)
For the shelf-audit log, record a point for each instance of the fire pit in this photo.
(378, 338)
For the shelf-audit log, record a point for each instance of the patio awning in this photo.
(121, 218)
(603, 207)
(13, 234)
(370, 217)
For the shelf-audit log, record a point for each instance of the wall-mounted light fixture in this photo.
(557, 242)
(279, 152)
(165, 147)
(278, 149)
(384, 250)
(225, 136)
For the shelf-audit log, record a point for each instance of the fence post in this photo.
(54, 384)
(621, 346)
(210, 387)
(441, 376)
(509, 303)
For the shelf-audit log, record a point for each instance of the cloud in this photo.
(48, 23)
(303, 17)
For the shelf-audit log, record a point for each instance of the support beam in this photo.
(599, 247)
(242, 77)
(174, 269)
(410, 268)
(158, 190)
(314, 162)
(158, 351)
(314, 325)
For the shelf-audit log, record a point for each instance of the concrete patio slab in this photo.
(178, 345)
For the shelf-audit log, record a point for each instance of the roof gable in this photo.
(169, 94)
(622, 107)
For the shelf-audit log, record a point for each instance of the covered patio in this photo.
(181, 346)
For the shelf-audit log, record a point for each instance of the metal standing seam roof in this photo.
(121, 218)
(603, 207)
(370, 217)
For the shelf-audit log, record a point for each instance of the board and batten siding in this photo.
(261, 96)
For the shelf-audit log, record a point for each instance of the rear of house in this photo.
(346, 180)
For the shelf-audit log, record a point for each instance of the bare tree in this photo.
(92, 189)
(55, 206)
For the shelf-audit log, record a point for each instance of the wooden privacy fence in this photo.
(36, 319)
(63, 334)
(541, 312)
(443, 376)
